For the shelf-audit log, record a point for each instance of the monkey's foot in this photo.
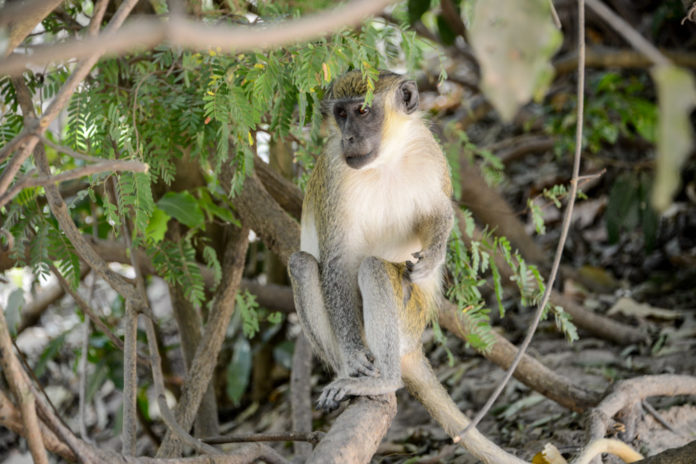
(332, 395)
(343, 388)
(361, 363)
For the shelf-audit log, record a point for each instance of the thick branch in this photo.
(194, 35)
(300, 393)
(287, 194)
(201, 371)
(23, 18)
(530, 371)
(357, 432)
(259, 211)
(627, 392)
(22, 393)
(11, 418)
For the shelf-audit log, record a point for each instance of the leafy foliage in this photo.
(615, 107)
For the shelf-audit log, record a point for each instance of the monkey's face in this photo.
(361, 129)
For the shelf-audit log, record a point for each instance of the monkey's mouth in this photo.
(358, 160)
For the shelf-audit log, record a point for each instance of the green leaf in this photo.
(49, 353)
(157, 226)
(183, 207)
(416, 8)
(514, 41)
(676, 95)
(238, 370)
(13, 310)
(247, 306)
(207, 203)
(275, 317)
(447, 35)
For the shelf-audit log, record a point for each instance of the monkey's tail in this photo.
(422, 382)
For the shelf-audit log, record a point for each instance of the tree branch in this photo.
(201, 371)
(194, 35)
(633, 37)
(21, 391)
(111, 165)
(23, 18)
(12, 419)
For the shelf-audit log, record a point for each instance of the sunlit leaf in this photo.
(676, 96)
(514, 41)
(157, 226)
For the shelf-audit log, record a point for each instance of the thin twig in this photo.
(130, 380)
(554, 15)
(633, 37)
(165, 412)
(69, 151)
(91, 314)
(564, 229)
(87, 330)
(311, 437)
(658, 417)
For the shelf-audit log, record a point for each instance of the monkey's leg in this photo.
(309, 304)
(377, 281)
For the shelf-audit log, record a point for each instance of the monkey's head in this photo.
(362, 127)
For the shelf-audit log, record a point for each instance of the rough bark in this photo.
(357, 432)
(202, 368)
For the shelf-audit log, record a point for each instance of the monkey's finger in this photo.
(418, 255)
(367, 369)
(340, 395)
(326, 400)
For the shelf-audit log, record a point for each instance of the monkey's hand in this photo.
(360, 362)
(425, 264)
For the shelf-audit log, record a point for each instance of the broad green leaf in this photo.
(238, 370)
(514, 41)
(13, 310)
(676, 95)
(183, 207)
(206, 202)
(157, 226)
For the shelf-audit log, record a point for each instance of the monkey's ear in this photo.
(407, 96)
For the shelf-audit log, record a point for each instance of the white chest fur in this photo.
(384, 203)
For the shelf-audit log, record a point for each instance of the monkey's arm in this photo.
(339, 287)
(433, 231)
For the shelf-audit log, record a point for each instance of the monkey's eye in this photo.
(341, 113)
(363, 110)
